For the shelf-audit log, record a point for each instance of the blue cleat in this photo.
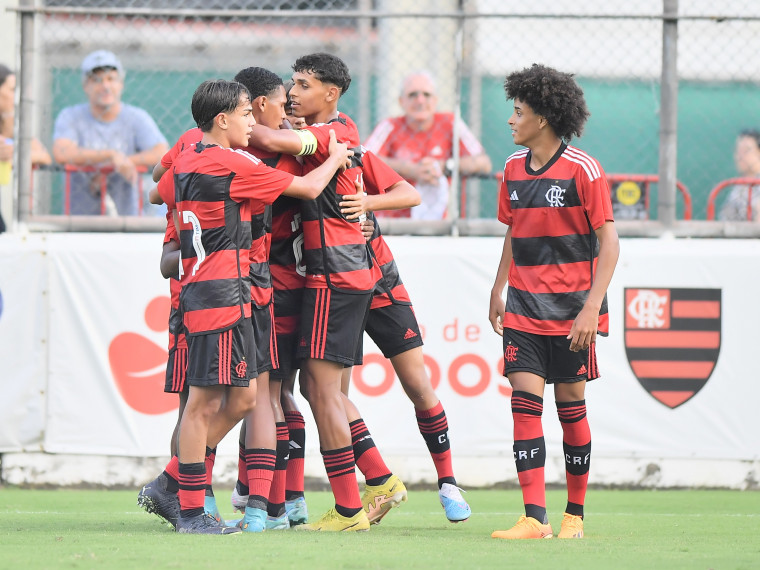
(455, 507)
(209, 505)
(278, 523)
(297, 511)
(255, 520)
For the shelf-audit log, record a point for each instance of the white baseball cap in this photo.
(100, 59)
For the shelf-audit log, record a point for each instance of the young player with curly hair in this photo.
(559, 255)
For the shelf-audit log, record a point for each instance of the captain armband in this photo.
(308, 142)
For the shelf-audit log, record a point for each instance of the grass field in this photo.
(624, 529)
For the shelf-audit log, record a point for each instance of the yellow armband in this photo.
(308, 142)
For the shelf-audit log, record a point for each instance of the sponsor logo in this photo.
(409, 334)
(582, 370)
(672, 340)
(138, 365)
(513, 196)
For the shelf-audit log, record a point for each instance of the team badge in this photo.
(672, 340)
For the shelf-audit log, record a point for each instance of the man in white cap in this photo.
(105, 133)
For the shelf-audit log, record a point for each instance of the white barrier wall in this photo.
(83, 349)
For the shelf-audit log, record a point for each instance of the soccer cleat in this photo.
(572, 527)
(526, 527)
(203, 524)
(377, 500)
(209, 505)
(253, 521)
(455, 507)
(297, 512)
(278, 523)
(332, 521)
(155, 499)
(238, 501)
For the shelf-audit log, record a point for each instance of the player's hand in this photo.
(368, 228)
(341, 150)
(583, 331)
(496, 313)
(154, 197)
(354, 206)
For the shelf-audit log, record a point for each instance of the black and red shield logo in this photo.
(672, 340)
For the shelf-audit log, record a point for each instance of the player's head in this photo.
(418, 99)
(552, 96)
(747, 152)
(7, 91)
(268, 95)
(102, 79)
(325, 67)
(291, 121)
(223, 104)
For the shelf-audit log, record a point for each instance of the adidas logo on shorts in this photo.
(409, 334)
(582, 370)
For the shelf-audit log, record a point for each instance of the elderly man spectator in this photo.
(107, 134)
(419, 146)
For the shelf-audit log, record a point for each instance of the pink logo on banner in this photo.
(138, 364)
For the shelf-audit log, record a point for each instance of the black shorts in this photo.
(176, 367)
(548, 356)
(287, 345)
(394, 329)
(221, 358)
(332, 324)
(263, 337)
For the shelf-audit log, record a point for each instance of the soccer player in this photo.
(340, 278)
(393, 327)
(215, 190)
(559, 255)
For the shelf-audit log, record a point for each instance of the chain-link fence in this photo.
(614, 48)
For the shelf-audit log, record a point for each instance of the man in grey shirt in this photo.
(105, 133)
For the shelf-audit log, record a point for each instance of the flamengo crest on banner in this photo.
(672, 340)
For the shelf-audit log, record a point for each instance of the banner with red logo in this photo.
(83, 343)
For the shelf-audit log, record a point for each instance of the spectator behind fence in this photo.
(419, 146)
(40, 155)
(747, 159)
(106, 133)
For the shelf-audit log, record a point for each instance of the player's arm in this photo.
(496, 309)
(583, 330)
(295, 142)
(150, 156)
(310, 186)
(158, 171)
(400, 195)
(475, 164)
(170, 259)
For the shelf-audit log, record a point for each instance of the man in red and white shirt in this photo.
(420, 146)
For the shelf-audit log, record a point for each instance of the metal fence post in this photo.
(666, 206)
(23, 166)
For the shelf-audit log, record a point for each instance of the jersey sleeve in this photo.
(377, 141)
(378, 176)
(254, 180)
(171, 231)
(188, 138)
(505, 206)
(290, 164)
(595, 195)
(165, 189)
(469, 145)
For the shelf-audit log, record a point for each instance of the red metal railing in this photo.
(750, 183)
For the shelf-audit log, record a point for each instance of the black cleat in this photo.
(155, 499)
(204, 524)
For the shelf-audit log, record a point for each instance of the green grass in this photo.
(624, 529)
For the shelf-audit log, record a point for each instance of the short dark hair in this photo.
(552, 94)
(259, 81)
(754, 134)
(5, 71)
(213, 97)
(326, 67)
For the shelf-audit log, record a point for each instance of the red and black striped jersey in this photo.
(261, 230)
(335, 251)
(378, 177)
(553, 213)
(187, 139)
(176, 328)
(215, 190)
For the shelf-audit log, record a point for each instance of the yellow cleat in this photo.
(572, 527)
(332, 521)
(526, 527)
(377, 500)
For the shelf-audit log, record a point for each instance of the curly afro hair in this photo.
(553, 95)
(259, 81)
